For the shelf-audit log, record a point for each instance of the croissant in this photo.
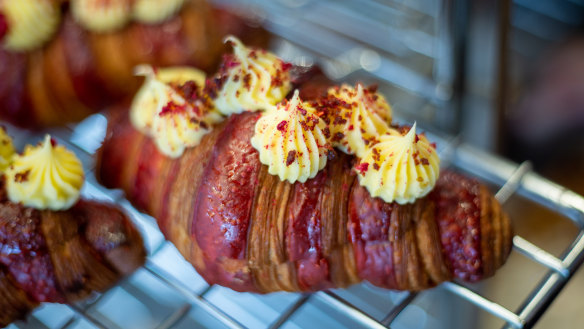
(61, 256)
(79, 72)
(245, 229)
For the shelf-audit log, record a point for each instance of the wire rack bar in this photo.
(487, 305)
(396, 310)
(194, 298)
(544, 294)
(349, 309)
(513, 183)
(175, 318)
(73, 320)
(90, 318)
(540, 299)
(539, 255)
(290, 311)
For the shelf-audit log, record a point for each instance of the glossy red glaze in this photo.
(458, 216)
(224, 201)
(368, 231)
(304, 236)
(24, 253)
(150, 162)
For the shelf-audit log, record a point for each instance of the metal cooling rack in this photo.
(168, 293)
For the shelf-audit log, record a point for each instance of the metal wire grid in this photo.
(186, 296)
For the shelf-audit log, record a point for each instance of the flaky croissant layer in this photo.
(245, 229)
(61, 257)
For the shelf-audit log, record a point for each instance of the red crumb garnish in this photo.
(375, 166)
(417, 139)
(291, 157)
(53, 142)
(229, 61)
(425, 161)
(433, 145)
(21, 177)
(327, 132)
(247, 81)
(362, 167)
(372, 88)
(283, 125)
(338, 136)
(189, 91)
(172, 108)
(300, 109)
(286, 66)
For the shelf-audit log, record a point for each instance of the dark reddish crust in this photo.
(14, 105)
(150, 163)
(368, 231)
(162, 220)
(111, 174)
(89, 88)
(3, 26)
(304, 235)
(458, 215)
(24, 253)
(224, 200)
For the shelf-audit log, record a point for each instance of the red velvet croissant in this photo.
(245, 229)
(80, 72)
(61, 256)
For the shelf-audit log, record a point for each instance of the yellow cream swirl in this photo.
(399, 168)
(31, 23)
(253, 79)
(102, 15)
(6, 149)
(155, 11)
(171, 109)
(47, 176)
(361, 116)
(291, 141)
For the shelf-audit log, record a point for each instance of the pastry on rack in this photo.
(63, 60)
(55, 247)
(266, 178)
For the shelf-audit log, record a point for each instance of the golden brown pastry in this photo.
(245, 228)
(61, 256)
(55, 247)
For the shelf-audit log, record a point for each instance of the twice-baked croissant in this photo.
(61, 256)
(245, 228)
(79, 71)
